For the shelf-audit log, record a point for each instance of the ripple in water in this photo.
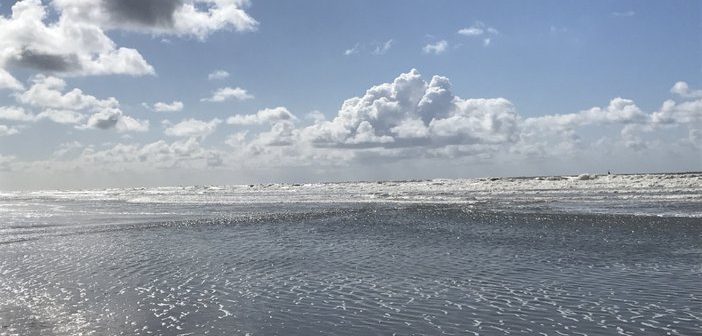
(358, 269)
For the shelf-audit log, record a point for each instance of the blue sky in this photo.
(544, 58)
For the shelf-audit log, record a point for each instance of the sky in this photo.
(98, 93)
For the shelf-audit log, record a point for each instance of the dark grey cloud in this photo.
(147, 13)
(107, 123)
(104, 120)
(47, 62)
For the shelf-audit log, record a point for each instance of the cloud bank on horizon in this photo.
(410, 125)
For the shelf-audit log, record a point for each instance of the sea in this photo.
(551, 255)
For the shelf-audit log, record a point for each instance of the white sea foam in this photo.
(646, 194)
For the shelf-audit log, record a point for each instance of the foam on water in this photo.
(644, 194)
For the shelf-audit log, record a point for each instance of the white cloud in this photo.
(409, 112)
(619, 110)
(553, 135)
(545, 131)
(269, 115)
(237, 139)
(47, 92)
(64, 46)
(383, 48)
(218, 74)
(435, 48)
(471, 31)
(75, 43)
(9, 82)
(365, 134)
(128, 124)
(67, 147)
(185, 153)
(477, 121)
(7, 130)
(410, 129)
(193, 128)
(198, 18)
(316, 116)
(479, 29)
(227, 93)
(374, 48)
(354, 50)
(62, 116)
(282, 133)
(412, 118)
(15, 113)
(72, 107)
(687, 112)
(682, 89)
(175, 106)
(409, 118)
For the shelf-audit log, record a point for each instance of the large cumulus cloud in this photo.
(408, 122)
(414, 118)
(74, 41)
(64, 46)
(412, 112)
(197, 18)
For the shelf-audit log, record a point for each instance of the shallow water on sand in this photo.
(109, 267)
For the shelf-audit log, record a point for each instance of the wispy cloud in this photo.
(480, 30)
(354, 50)
(218, 74)
(228, 93)
(374, 48)
(436, 48)
(175, 106)
(383, 48)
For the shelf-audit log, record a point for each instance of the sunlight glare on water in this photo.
(105, 265)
